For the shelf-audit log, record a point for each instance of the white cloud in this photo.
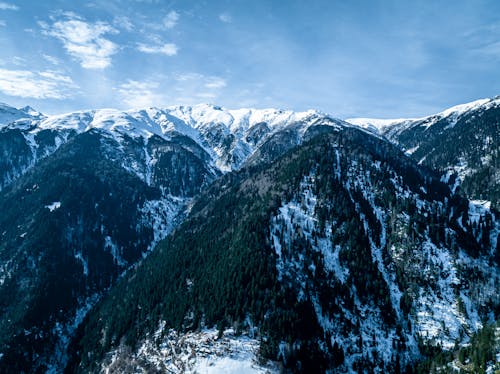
(2, 23)
(215, 83)
(171, 19)
(124, 23)
(135, 94)
(53, 60)
(225, 17)
(206, 95)
(185, 88)
(84, 40)
(37, 85)
(168, 49)
(491, 50)
(7, 6)
(19, 61)
(183, 77)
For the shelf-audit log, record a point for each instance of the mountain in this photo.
(375, 125)
(339, 253)
(462, 142)
(9, 114)
(186, 238)
(86, 195)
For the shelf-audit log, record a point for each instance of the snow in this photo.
(297, 218)
(412, 150)
(10, 115)
(53, 206)
(438, 317)
(363, 181)
(392, 127)
(376, 124)
(208, 125)
(444, 312)
(84, 262)
(457, 110)
(194, 352)
(162, 216)
(300, 214)
(115, 251)
(65, 331)
(480, 209)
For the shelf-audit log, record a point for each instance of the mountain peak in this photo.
(377, 125)
(9, 114)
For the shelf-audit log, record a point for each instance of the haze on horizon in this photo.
(380, 59)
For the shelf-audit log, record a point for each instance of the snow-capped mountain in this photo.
(377, 125)
(462, 142)
(285, 212)
(341, 255)
(108, 185)
(10, 114)
(395, 126)
(229, 137)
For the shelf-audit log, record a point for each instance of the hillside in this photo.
(86, 195)
(342, 254)
(462, 143)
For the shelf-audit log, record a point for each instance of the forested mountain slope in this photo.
(462, 143)
(343, 253)
(71, 225)
(86, 195)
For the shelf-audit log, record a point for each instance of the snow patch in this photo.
(162, 216)
(204, 351)
(115, 251)
(55, 205)
(84, 262)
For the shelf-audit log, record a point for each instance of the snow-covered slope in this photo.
(154, 159)
(372, 259)
(204, 351)
(9, 114)
(451, 116)
(376, 125)
(462, 141)
(228, 136)
(392, 127)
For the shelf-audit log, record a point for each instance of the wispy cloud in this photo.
(171, 19)
(195, 87)
(83, 40)
(2, 23)
(183, 77)
(37, 85)
(186, 88)
(7, 6)
(136, 94)
(225, 17)
(167, 49)
(206, 95)
(53, 60)
(215, 82)
(124, 23)
(491, 50)
(19, 61)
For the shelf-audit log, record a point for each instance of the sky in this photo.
(383, 59)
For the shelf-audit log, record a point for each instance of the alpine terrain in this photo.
(462, 143)
(201, 239)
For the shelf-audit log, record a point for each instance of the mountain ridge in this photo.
(382, 125)
(166, 160)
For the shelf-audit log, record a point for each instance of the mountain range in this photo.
(169, 239)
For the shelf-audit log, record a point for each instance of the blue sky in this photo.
(347, 58)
